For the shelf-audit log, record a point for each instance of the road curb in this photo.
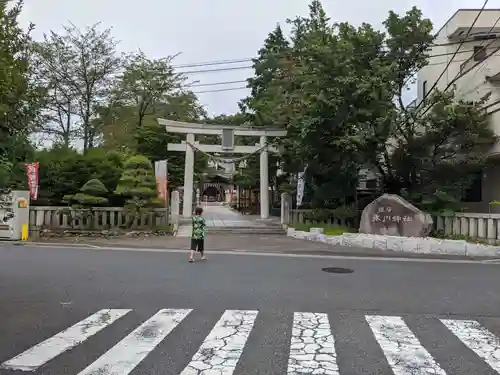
(333, 256)
(297, 254)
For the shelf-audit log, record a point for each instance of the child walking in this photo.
(198, 235)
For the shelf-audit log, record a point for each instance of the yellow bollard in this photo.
(24, 232)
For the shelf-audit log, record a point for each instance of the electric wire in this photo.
(251, 59)
(454, 54)
(245, 81)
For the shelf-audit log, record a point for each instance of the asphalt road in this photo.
(243, 314)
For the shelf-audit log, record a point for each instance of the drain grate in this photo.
(337, 270)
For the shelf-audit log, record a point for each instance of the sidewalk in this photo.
(240, 243)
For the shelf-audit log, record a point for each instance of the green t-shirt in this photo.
(198, 228)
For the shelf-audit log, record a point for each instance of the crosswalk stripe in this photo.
(222, 348)
(477, 338)
(43, 352)
(122, 358)
(403, 351)
(312, 347)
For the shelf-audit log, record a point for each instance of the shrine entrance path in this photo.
(220, 218)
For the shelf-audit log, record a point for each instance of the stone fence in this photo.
(306, 216)
(101, 218)
(473, 225)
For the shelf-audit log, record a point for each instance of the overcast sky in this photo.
(211, 30)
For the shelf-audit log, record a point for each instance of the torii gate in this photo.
(227, 145)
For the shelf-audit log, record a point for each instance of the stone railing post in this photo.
(174, 206)
(286, 207)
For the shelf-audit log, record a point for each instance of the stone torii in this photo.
(227, 134)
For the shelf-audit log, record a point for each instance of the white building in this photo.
(474, 84)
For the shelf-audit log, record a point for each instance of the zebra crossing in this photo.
(312, 348)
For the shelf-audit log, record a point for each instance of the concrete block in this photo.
(334, 240)
(299, 234)
(317, 230)
(424, 245)
(365, 240)
(290, 231)
(311, 236)
(348, 239)
(449, 247)
(379, 242)
(394, 243)
(480, 250)
(409, 245)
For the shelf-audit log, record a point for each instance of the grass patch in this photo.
(329, 229)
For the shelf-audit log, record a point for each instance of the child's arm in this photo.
(204, 225)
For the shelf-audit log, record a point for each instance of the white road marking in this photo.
(43, 352)
(275, 253)
(477, 338)
(312, 348)
(222, 348)
(403, 351)
(122, 358)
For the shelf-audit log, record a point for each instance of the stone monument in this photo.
(392, 215)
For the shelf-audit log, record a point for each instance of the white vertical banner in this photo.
(301, 182)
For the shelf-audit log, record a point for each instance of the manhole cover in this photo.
(337, 270)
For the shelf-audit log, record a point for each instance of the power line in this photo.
(250, 66)
(477, 52)
(219, 83)
(211, 63)
(216, 70)
(220, 90)
(461, 74)
(250, 59)
(451, 60)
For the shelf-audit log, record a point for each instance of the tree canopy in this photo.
(338, 90)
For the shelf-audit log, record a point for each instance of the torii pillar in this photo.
(227, 134)
(187, 206)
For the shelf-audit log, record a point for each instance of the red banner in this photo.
(32, 174)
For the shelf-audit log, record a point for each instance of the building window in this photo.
(424, 89)
(474, 192)
(479, 53)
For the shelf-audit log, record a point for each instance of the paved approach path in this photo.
(218, 215)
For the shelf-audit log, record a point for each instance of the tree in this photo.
(20, 97)
(338, 89)
(80, 68)
(92, 193)
(309, 90)
(267, 66)
(145, 83)
(138, 185)
(437, 156)
(63, 171)
(151, 139)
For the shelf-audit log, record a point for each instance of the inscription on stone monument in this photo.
(385, 215)
(392, 215)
